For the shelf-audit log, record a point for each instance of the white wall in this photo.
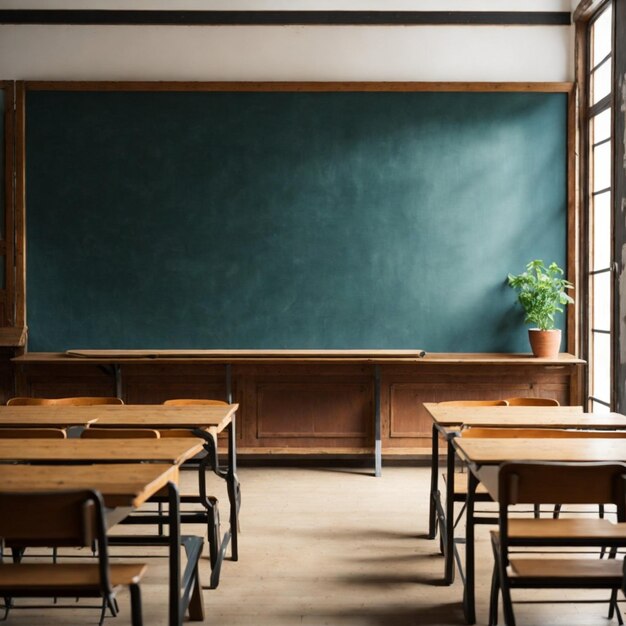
(419, 53)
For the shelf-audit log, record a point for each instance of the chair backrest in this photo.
(193, 401)
(55, 519)
(93, 432)
(73, 518)
(32, 433)
(566, 483)
(532, 402)
(562, 483)
(540, 433)
(77, 401)
(474, 403)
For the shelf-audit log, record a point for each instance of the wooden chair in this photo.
(571, 483)
(32, 433)
(474, 403)
(532, 402)
(193, 401)
(63, 519)
(77, 401)
(93, 432)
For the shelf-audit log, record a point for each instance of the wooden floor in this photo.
(332, 547)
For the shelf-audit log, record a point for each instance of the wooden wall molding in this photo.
(284, 18)
(313, 86)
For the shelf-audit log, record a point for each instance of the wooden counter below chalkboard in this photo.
(294, 402)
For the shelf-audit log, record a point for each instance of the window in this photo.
(600, 188)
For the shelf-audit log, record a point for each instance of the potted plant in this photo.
(542, 293)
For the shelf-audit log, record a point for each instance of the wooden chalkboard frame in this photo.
(7, 212)
(573, 210)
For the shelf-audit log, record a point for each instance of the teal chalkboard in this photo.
(289, 220)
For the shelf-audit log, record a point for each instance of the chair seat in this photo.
(460, 487)
(30, 576)
(188, 496)
(566, 529)
(565, 568)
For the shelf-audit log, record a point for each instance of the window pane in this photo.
(601, 384)
(601, 82)
(601, 317)
(601, 156)
(602, 36)
(601, 126)
(601, 212)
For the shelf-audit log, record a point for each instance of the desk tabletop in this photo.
(216, 416)
(167, 450)
(479, 451)
(484, 456)
(119, 484)
(120, 415)
(42, 417)
(522, 416)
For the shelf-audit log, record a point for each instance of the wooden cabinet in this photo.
(310, 404)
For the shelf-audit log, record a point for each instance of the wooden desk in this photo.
(42, 417)
(523, 417)
(72, 451)
(448, 420)
(205, 421)
(217, 417)
(123, 487)
(480, 452)
(121, 484)
(484, 456)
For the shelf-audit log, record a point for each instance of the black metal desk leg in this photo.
(119, 390)
(449, 538)
(234, 490)
(469, 606)
(434, 485)
(229, 383)
(174, 546)
(378, 445)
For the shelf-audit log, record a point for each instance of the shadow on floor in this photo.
(378, 580)
(438, 615)
(357, 533)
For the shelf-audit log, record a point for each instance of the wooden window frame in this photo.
(585, 14)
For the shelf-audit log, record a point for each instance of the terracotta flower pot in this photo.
(545, 343)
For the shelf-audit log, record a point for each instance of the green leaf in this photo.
(541, 291)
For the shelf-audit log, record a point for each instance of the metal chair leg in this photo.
(614, 609)
(135, 605)
(7, 608)
(495, 592)
(507, 603)
(103, 610)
